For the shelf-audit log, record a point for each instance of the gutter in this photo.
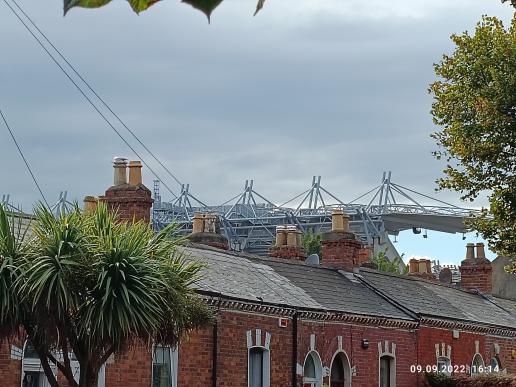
(294, 349)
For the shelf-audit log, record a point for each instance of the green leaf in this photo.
(69, 4)
(141, 5)
(206, 6)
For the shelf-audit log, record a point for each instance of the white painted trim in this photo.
(473, 360)
(267, 340)
(249, 339)
(174, 364)
(266, 354)
(388, 351)
(266, 370)
(258, 338)
(318, 366)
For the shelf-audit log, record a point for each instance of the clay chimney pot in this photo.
(281, 236)
(120, 166)
(198, 223)
(292, 236)
(470, 251)
(90, 204)
(135, 172)
(337, 220)
(481, 254)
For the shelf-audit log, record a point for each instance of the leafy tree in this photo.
(206, 6)
(311, 243)
(396, 266)
(475, 104)
(91, 285)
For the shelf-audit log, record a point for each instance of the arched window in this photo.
(340, 374)
(477, 365)
(495, 365)
(164, 367)
(259, 367)
(444, 365)
(387, 371)
(312, 370)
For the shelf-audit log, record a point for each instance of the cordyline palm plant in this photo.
(91, 285)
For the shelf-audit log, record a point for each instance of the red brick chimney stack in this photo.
(288, 244)
(476, 271)
(206, 231)
(340, 248)
(131, 199)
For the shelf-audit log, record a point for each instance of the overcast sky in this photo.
(336, 88)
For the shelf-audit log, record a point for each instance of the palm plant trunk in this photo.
(89, 375)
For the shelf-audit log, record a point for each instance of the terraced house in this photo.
(284, 320)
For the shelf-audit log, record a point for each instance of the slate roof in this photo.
(288, 283)
(437, 300)
(295, 284)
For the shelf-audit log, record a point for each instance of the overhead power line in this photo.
(87, 97)
(23, 157)
(96, 94)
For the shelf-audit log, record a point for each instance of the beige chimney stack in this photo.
(292, 236)
(135, 172)
(206, 231)
(337, 220)
(120, 165)
(288, 244)
(90, 204)
(198, 223)
(281, 236)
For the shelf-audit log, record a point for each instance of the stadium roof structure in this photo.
(249, 219)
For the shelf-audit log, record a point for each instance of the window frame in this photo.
(174, 364)
(338, 356)
(447, 361)
(318, 380)
(266, 365)
(474, 367)
(392, 369)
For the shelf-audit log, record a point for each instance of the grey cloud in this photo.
(241, 98)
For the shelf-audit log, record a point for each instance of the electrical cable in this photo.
(96, 94)
(23, 157)
(88, 99)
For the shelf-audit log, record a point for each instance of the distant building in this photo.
(504, 284)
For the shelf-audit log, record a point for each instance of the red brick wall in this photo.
(233, 352)
(196, 359)
(10, 370)
(341, 254)
(366, 361)
(295, 253)
(477, 277)
(131, 202)
(133, 368)
(463, 349)
(506, 346)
